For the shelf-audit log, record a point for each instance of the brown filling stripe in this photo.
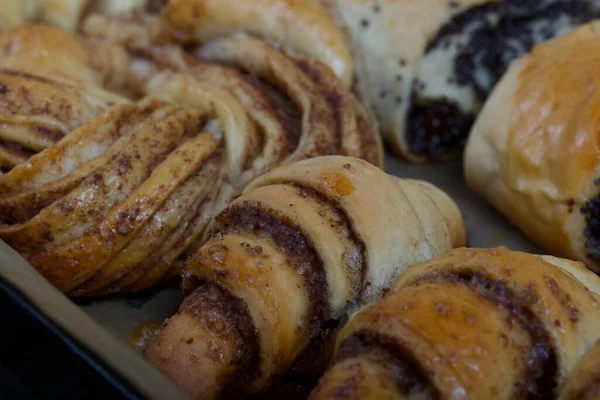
(541, 370)
(259, 220)
(398, 361)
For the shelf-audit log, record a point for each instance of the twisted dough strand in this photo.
(78, 209)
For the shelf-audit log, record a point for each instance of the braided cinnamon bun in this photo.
(122, 195)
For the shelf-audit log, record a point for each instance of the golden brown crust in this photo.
(300, 26)
(305, 244)
(488, 323)
(583, 383)
(534, 151)
(62, 207)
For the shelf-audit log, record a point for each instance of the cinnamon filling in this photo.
(209, 300)
(396, 361)
(541, 368)
(355, 260)
(286, 110)
(256, 219)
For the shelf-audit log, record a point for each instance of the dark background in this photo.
(40, 361)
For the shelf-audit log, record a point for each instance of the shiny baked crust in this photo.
(485, 323)
(533, 152)
(583, 383)
(307, 243)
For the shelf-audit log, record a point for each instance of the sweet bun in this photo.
(432, 63)
(481, 323)
(534, 152)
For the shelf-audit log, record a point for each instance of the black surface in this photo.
(38, 360)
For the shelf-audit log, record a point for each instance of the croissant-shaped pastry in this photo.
(304, 246)
(115, 204)
(534, 151)
(432, 63)
(476, 323)
(583, 383)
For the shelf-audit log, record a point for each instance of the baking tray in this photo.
(100, 329)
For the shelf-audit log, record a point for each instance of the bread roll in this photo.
(432, 63)
(534, 153)
(475, 323)
(306, 245)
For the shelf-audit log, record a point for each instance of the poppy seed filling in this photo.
(479, 45)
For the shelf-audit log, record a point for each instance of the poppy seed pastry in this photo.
(533, 151)
(302, 248)
(474, 323)
(432, 63)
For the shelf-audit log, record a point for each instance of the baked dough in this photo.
(432, 63)
(125, 192)
(52, 82)
(475, 323)
(306, 245)
(583, 383)
(534, 152)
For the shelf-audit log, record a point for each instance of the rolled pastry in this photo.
(432, 63)
(119, 201)
(534, 153)
(475, 323)
(583, 383)
(304, 246)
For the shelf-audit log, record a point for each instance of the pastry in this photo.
(65, 14)
(17, 12)
(300, 28)
(51, 82)
(432, 63)
(476, 323)
(533, 152)
(583, 383)
(304, 246)
(118, 202)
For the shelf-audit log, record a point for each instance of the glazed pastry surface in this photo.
(475, 323)
(583, 382)
(533, 152)
(306, 245)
